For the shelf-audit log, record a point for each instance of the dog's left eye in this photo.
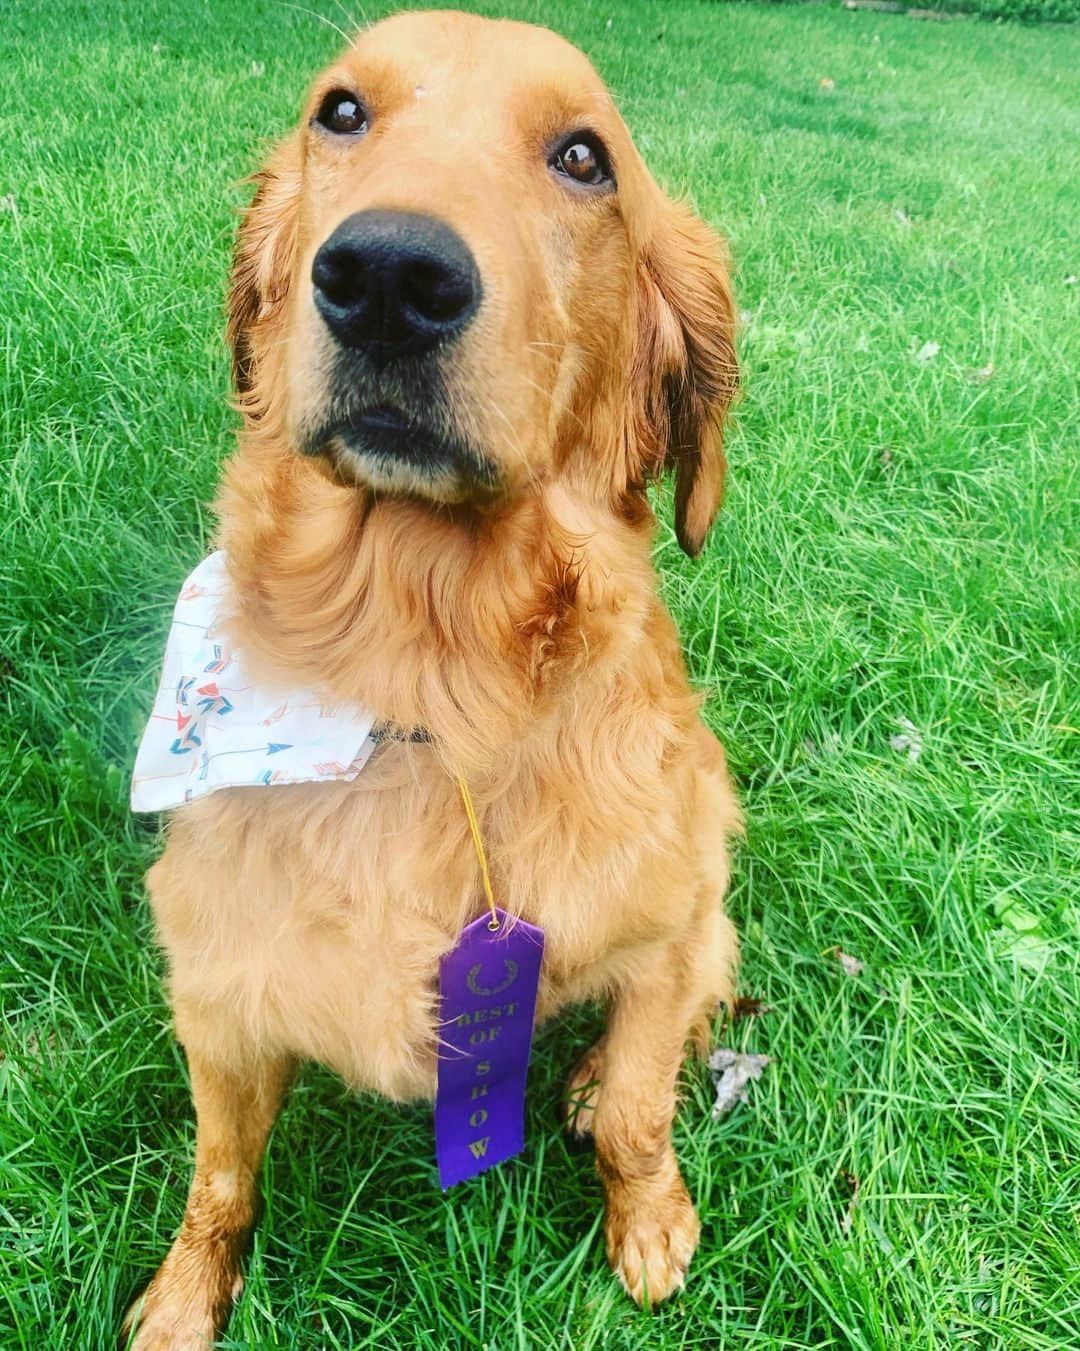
(342, 113)
(584, 160)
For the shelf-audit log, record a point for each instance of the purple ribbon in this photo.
(487, 1001)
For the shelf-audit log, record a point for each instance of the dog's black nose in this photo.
(394, 283)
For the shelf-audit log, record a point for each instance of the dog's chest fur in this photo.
(319, 912)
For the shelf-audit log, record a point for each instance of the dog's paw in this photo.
(649, 1246)
(180, 1310)
(583, 1093)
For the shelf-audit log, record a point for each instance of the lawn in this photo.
(884, 625)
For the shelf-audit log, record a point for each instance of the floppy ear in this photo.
(685, 372)
(263, 262)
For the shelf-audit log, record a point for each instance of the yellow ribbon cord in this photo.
(481, 856)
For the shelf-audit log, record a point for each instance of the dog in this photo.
(468, 331)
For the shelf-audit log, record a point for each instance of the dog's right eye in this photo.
(342, 113)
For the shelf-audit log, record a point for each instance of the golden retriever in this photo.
(468, 330)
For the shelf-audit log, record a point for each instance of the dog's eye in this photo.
(582, 159)
(342, 113)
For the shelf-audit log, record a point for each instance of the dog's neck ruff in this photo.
(214, 726)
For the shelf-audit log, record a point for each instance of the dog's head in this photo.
(457, 280)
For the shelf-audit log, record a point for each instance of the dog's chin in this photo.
(382, 451)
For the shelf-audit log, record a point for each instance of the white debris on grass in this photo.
(732, 1072)
(907, 739)
(831, 744)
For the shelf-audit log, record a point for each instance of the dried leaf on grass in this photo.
(743, 1006)
(849, 1214)
(732, 1072)
(854, 966)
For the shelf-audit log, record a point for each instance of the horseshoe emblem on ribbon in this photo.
(504, 984)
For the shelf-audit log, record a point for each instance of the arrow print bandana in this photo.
(213, 726)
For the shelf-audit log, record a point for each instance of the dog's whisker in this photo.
(560, 347)
(329, 23)
(531, 384)
(356, 25)
(513, 443)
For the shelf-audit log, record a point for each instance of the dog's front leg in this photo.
(188, 1302)
(650, 1223)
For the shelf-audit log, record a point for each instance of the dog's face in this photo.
(458, 280)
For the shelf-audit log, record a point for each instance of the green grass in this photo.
(899, 542)
(1026, 11)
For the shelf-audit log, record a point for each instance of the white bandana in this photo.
(213, 727)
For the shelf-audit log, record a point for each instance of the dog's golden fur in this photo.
(521, 629)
